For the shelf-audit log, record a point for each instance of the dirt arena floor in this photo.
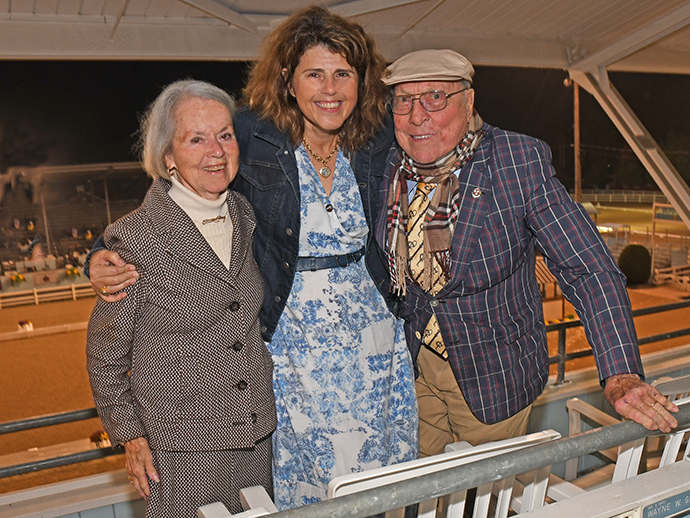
(47, 374)
(44, 375)
(644, 296)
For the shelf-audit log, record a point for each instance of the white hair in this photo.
(158, 124)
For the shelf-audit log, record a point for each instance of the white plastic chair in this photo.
(677, 390)
(255, 502)
(453, 505)
(627, 459)
(218, 510)
(456, 455)
(675, 440)
(522, 496)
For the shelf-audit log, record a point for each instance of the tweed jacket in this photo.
(180, 361)
(490, 310)
(269, 179)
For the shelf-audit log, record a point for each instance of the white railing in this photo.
(38, 295)
(677, 274)
(649, 197)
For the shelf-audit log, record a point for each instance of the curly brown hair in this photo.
(267, 90)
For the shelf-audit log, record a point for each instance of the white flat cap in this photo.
(429, 65)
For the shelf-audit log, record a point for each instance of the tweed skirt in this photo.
(190, 479)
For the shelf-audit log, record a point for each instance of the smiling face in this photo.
(204, 149)
(325, 87)
(427, 136)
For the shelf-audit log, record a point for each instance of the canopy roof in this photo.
(586, 37)
(640, 35)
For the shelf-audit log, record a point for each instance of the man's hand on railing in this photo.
(110, 274)
(640, 402)
(140, 465)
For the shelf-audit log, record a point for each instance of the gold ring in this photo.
(104, 291)
(654, 404)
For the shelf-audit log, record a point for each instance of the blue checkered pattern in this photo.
(490, 310)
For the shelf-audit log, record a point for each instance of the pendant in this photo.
(325, 172)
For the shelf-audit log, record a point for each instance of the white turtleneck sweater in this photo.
(218, 233)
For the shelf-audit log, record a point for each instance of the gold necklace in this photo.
(325, 171)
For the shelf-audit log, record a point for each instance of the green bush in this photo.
(636, 263)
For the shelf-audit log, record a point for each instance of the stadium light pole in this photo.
(576, 137)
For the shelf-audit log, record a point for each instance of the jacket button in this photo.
(237, 346)
(277, 298)
(288, 231)
(241, 385)
(255, 417)
(434, 303)
(264, 329)
(234, 306)
(418, 335)
(286, 265)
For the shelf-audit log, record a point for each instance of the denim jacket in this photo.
(269, 179)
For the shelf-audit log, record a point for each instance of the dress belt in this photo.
(332, 261)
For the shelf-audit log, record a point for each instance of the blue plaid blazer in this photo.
(490, 310)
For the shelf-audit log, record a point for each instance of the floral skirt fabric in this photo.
(343, 382)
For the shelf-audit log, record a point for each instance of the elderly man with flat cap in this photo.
(468, 205)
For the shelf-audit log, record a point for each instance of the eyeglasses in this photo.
(432, 101)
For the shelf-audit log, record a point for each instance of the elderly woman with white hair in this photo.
(178, 369)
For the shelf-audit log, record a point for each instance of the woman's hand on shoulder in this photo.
(110, 275)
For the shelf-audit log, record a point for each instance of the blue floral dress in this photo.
(343, 377)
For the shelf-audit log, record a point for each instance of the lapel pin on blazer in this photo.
(477, 193)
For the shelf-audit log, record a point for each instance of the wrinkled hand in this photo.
(140, 465)
(109, 271)
(640, 402)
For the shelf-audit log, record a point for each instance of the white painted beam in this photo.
(354, 8)
(638, 138)
(223, 13)
(591, 73)
(416, 21)
(46, 6)
(480, 49)
(195, 39)
(51, 36)
(654, 60)
(78, 37)
(643, 37)
(22, 6)
(358, 7)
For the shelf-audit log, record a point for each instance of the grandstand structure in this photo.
(65, 208)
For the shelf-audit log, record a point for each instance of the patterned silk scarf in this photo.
(442, 213)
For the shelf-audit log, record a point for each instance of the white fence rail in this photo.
(38, 295)
(676, 274)
(606, 196)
